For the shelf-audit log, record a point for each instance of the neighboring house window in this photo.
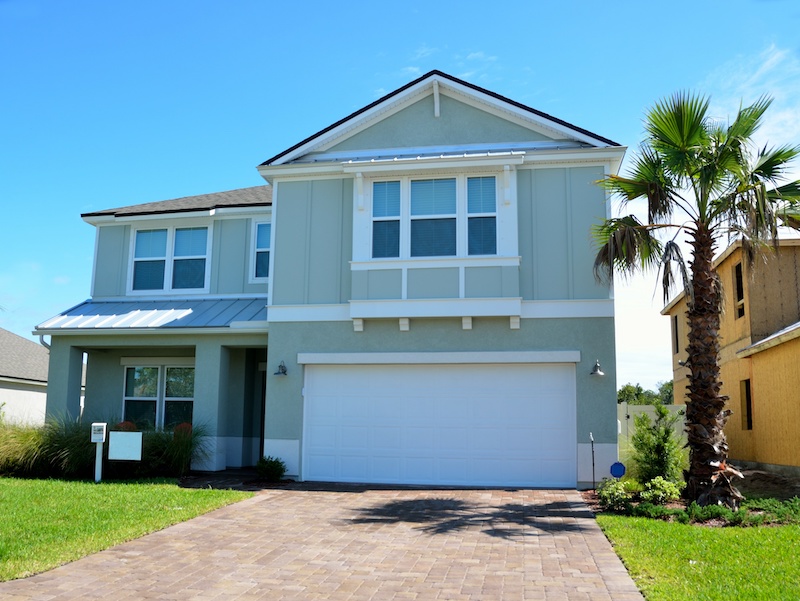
(262, 249)
(739, 283)
(444, 217)
(170, 259)
(158, 396)
(675, 339)
(747, 404)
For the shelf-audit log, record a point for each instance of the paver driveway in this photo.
(355, 544)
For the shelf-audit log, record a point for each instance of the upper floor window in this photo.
(170, 259)
(444, 217)
(738, 280)
(262, 249)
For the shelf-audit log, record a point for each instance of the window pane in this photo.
(433, 237)
(263, 231)
(191, 242)
(481, 192)
(385, 239)
(189, 273)
(262, 264)
(482, 236)
(386, 199)
(148, 275)
(433, 197)
(150, 244)
(177, 412)
(141, 382)
(141, 413)
(180, 382)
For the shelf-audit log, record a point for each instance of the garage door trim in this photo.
(404, 358)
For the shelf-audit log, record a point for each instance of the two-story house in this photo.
(759, 350)
(410, 299)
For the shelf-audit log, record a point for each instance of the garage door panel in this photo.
(494, 425)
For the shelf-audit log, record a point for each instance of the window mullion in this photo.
(405, 218)
(461, 216)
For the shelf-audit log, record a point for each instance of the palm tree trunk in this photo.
(708, 480)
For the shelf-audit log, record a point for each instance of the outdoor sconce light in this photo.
(596, 371)
(281, 369)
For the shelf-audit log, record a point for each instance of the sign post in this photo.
(98, 437)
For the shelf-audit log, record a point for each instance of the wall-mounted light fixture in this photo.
(281, 369)
(596, 371)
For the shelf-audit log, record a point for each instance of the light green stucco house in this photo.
(409, 300)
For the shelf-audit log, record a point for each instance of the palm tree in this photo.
(705, 179)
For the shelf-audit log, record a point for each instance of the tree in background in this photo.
(634, 394)
(709, 181)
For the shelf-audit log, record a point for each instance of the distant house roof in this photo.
(441, 76)
(22, 359)
(243, 197)
(119, 316)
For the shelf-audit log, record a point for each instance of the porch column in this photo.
(210, 383)
(64, 381)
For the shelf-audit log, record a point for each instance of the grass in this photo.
(671, 561)
(46, 523)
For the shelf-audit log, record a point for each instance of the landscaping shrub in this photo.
(656, 448)
(611, 495)
(271, 469)
(660, 491)
(63, 449)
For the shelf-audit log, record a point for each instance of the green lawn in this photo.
(45, 523)
(671, 561)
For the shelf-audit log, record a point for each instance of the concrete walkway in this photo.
(356, 544)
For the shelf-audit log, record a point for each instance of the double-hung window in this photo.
(170, 259)
(158, 396)
(262, 250)
(441, 217)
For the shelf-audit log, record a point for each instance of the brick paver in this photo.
(357, 544)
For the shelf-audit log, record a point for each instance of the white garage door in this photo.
(479, 425)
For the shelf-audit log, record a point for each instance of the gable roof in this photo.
(22, 359)
(255, 196)
(436, 76)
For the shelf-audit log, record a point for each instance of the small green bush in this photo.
(271, 469)
(612, 496)
(656, 447)
(660, 491)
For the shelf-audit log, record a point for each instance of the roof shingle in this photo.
(22, 359)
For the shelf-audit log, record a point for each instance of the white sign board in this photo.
(125, 446)
(99, 432)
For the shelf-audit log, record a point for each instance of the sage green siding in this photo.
(491, 282)
(313, 242)
(593, 337)
(557, 208)
(458, 123)
(111, 261)
(433, 283)
(377, 284)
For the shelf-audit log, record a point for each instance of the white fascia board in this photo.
(106, 219)
(440, 358)
(292, 313)
(454, 307)
(567, 309)
(304, 170)
(428, 163)
(610, 155)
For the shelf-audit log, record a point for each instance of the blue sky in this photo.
(106, 104)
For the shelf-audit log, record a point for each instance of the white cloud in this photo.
(424, 51)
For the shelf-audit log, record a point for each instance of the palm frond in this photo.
(625, 245)
(672, 255)
(676, 130)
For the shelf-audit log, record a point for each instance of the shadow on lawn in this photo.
(512, 520)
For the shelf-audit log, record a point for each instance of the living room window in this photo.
(158, 396)
(441, 217)
(170, 259)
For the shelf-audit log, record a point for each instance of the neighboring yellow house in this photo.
(759, 354)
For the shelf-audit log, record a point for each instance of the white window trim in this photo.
(505, 216)
(161, 364)
(252, 279)
(170, 259)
